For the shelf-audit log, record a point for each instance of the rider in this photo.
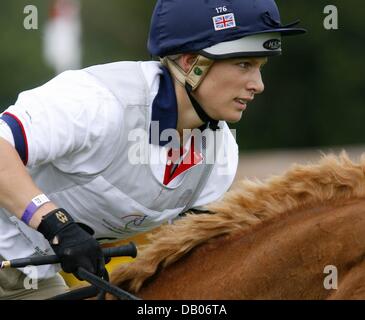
(106, 152)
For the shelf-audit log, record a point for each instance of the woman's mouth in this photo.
(241, 103)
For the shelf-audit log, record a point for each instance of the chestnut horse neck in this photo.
(297, 198)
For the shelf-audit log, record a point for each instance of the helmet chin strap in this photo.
(190, 81)
(210, 122)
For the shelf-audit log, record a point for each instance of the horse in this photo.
(272, 239)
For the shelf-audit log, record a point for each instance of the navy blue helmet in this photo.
(218, 29)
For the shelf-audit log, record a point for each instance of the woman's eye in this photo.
(244, 65)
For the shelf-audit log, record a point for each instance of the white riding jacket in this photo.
(85, 137)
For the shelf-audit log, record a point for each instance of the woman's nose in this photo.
(256, 84)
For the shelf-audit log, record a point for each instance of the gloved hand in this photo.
(72, 244)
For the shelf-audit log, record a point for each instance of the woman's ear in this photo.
(187, 60)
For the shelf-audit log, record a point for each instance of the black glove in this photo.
(73, 245)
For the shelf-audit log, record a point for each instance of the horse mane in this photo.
(333, 178)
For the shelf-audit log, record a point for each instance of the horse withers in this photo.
(300, 235)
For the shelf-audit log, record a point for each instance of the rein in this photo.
(99, 286)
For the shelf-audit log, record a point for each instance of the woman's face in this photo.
(229, 86)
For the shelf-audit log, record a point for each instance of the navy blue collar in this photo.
(164, 107)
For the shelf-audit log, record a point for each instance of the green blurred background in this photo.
(314, 92)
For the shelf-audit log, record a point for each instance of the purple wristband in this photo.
(33, 206)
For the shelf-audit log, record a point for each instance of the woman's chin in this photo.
(234, 118)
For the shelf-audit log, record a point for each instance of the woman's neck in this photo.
(187, 117)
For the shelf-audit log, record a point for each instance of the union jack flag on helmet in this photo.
(224, 21)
